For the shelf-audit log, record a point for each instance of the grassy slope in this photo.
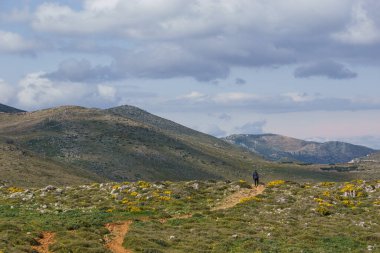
(20, 167)
(121, 148)
(287, 217)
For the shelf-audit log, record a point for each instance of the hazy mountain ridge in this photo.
(9, 109)
(281, 148)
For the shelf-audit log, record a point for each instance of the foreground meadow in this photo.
(193, 216)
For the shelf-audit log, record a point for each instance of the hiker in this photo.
(255, 176)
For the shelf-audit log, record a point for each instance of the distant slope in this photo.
(126, 143)
(281, 148)
(8, 109)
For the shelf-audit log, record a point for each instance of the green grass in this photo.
(289, 217)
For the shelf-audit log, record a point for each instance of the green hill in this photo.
(119, 144)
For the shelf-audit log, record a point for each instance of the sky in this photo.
(305, 69)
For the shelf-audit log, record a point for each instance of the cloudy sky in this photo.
(307, 69)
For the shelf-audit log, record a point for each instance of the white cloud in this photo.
(361, 30)
(298, 97)
(194, 95)
(256, 127)
(14, 43)
(35, 91)
(107, 92)
(6, 92)
(234, 97)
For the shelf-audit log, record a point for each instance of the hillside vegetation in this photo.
(119, 146)
(281, 148)
(192, 217)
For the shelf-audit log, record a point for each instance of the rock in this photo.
(59, 191)
(49, 188)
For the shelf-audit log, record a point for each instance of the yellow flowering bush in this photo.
(134, 209)
(275, 183)
(348, 187)
(143, 184)
(15, 189)
(326, 194)
(327, 184)
(164, 198)
(348, 203)
(134, 194)
(116, 186)
(247, 199)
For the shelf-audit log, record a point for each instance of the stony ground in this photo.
(194, 216)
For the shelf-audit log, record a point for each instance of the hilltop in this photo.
(282, 148)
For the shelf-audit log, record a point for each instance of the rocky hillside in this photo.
(8, 109)
(124, 143)
(281, 148)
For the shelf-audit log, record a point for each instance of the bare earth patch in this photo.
(235, 198)
(118, 232)
(46, 240)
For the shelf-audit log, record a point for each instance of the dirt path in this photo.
(46, 240)
(235, 198)
(118, 232)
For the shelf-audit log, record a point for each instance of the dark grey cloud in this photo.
(82, 71)
(328, 68)
(240, 81)
(252, 128)
(206, 39)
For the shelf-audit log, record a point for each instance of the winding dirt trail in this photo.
(120, 230)
(46, 240)
(235, 198)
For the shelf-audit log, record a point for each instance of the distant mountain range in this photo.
(281, 148)
(120, 144)
(9, 109)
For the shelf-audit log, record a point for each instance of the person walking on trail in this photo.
(255, 176)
